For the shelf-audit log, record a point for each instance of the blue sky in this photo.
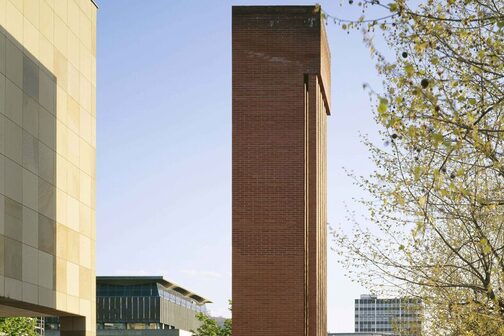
(164, 143)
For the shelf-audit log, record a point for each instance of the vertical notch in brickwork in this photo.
(306, 201)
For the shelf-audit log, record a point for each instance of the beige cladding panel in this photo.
(47, 157)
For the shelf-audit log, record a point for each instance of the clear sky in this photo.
(164, 143)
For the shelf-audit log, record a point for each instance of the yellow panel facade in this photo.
(47, 160)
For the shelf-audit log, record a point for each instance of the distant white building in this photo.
(396, 316)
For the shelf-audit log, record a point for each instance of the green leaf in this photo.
(410, 71)
(393, 7)
(437, 138)
(417, 171)
(383, 106)
(485, 246)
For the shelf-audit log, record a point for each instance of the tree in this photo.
(18, 326)
(437, 195)
(210, 327)
(227, 328)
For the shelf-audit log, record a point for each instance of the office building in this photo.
(398, 316)
(145, 302)
(47, 161)
(142, 305)
(281, 98)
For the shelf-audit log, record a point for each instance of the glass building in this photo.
(396, 316)
(141, 306)
(145, 302)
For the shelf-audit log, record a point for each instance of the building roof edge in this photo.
(273, 9)
(157, 279)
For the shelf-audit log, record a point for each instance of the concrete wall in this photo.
(145, 309)
(178, 316)
(170, 332)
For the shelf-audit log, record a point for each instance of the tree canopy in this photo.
(210, 327)
(17, 326)
(436, 196)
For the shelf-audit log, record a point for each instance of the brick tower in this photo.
(281, 86)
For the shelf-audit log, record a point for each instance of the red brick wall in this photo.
(279, 169)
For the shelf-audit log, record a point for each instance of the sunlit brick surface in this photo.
(281, 80)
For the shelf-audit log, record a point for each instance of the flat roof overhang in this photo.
(142, 280)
